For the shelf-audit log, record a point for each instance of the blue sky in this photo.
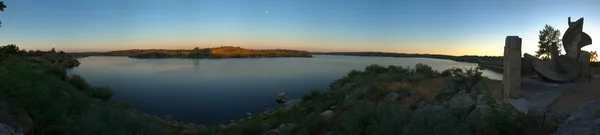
(459, 27)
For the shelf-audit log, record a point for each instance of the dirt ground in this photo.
(577, 95)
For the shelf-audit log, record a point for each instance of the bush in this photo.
(57, 71)
(423, 68)
(353, 73)
(312, 95)
(386, 119)
(468, 78)
(500, 116)
(78, 82)
(446, 73)
(103, 93)
(374, 68)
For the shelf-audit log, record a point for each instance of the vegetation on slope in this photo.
(359, 103)
(43, 100)
(216, 52)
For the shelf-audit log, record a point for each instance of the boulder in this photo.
(24, 121)
(413, 94)
(476, 120)
(327, 114)
(391, 97)
(7, 130)
(546, 120)
(283, 128)
(462, 103)
(584, 121)
(265, 126)
(449, 88)
(281, 96)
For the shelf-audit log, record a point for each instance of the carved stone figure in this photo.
(566, 67)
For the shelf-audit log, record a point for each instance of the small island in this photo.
(197, 53)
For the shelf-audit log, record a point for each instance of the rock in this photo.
(168, 117)
(288, 126)
(191, 125)
(25, 121)
(227, 126)
(327, 114)
(476, 120)
(584, 121)
(281, 96)
(547, 120)
(290, 104)
(283, 128)
(265, 126)
(391, 97)
(272, 132)
(7, 130)
(332, 107)
(189, 132)
(413, 94)
(462, 103)
(448, 88)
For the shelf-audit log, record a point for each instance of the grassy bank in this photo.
(376, 101)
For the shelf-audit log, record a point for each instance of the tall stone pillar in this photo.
(584, 59)
(511, 81)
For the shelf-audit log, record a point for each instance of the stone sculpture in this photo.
(565, 67)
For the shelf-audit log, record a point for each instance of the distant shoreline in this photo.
(223, 52)
(492, 63)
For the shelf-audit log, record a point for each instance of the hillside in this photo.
(216, 52)
(37, 97)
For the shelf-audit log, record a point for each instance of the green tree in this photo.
(2, 7)
(548, 35)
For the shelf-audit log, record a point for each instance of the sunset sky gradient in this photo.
(455, 27)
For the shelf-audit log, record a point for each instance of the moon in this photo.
(267, 11)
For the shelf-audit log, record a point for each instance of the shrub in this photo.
(425, 69)
(446, 73)
(500, 116)
(374, 68)
(56, 71)
(103, 93)
(312, 95)
(353, 73)
(385, 119)
(78, 82)
(468, 78)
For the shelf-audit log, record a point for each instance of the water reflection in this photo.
(224, 89)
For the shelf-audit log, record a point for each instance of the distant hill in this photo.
(215, 52)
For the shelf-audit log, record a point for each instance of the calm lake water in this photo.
(210, 91)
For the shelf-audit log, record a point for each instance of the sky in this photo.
(454, 27)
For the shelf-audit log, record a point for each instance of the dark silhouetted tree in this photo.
(10, 49)
(196, 48)
(53, 50)
(547, 36)
(2, 7)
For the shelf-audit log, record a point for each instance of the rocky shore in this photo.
(38, 98)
